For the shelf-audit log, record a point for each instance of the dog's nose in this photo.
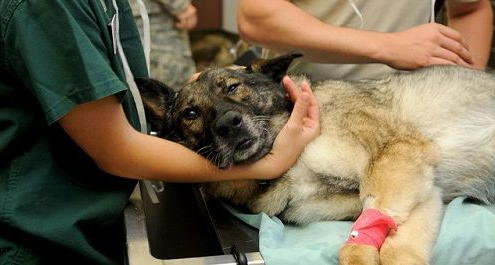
(229, 124)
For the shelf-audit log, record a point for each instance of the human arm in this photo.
(187, 18)
(274, 25)
(183, 11)
(102, 131)
(474, 20)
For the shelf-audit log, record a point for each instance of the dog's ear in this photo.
(158, 99)
(275, 68)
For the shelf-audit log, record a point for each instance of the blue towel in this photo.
(467, 237)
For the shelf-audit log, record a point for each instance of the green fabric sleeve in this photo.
(60, 55)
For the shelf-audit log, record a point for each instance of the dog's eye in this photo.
(231, 89)
(190, 114)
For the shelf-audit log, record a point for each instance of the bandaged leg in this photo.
(371, 228)
(400, 179)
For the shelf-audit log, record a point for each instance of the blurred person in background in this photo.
(171, 60)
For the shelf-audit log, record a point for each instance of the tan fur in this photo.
(357, 254)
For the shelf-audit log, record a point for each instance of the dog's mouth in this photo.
(249, 142)
(245, 150)
(244, 144)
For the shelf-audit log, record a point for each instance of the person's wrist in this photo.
(378, 48)
(270, 167)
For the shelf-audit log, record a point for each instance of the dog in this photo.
(403, 145)
(215, 48)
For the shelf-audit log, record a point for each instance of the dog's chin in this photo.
(245, 151)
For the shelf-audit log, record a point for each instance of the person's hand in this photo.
(425, 45)
(304, 123)
(194, 77)
(302, 127)
(187, 19)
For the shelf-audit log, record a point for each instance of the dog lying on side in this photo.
(402, 145)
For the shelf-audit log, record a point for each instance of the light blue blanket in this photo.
(467, 237)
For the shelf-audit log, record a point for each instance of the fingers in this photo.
(440, 61)
(187, 19)
(313, 112)
(453, 42)
(185, 23)
(445, 56)
(292, 90)
(194, 77)
(453, 34)
(305, 116)
(308, 107)
(299, 112)
(302, 127)
(427, 44)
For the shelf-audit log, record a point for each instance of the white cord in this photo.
(358, 13)
(146, 32)
(361, 19)
(128, 73)
(134, 91)
(432, 16)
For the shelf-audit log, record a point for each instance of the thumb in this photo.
(300, 111)
(292, 90)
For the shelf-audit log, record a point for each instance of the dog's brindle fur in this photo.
(400, 145)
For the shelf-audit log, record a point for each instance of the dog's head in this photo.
(230, 116)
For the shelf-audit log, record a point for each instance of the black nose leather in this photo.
(229, 124)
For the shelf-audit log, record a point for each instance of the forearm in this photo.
(475, 22)
(147, 157)
(102, 131)
(283, 27)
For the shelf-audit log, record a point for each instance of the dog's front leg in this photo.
(413, 242)
(398, 190)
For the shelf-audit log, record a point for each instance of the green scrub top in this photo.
(56, 206)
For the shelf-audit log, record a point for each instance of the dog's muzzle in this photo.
(229, 125)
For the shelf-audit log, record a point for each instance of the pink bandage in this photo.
(371, 228)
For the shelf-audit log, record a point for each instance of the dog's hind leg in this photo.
(400, 182)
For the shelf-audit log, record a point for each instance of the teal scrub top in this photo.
(56, 206)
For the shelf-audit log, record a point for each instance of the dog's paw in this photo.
(404, 255)
(353, 254)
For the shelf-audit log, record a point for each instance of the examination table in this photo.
(177, 224)
(186, 227)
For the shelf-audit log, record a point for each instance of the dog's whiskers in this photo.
(261, 118)
(205, 150)
(213, 157)
(210, 154)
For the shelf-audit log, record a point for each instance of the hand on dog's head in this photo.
(158, 97)
(234, 113)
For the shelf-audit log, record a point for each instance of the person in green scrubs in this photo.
(70, 146)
